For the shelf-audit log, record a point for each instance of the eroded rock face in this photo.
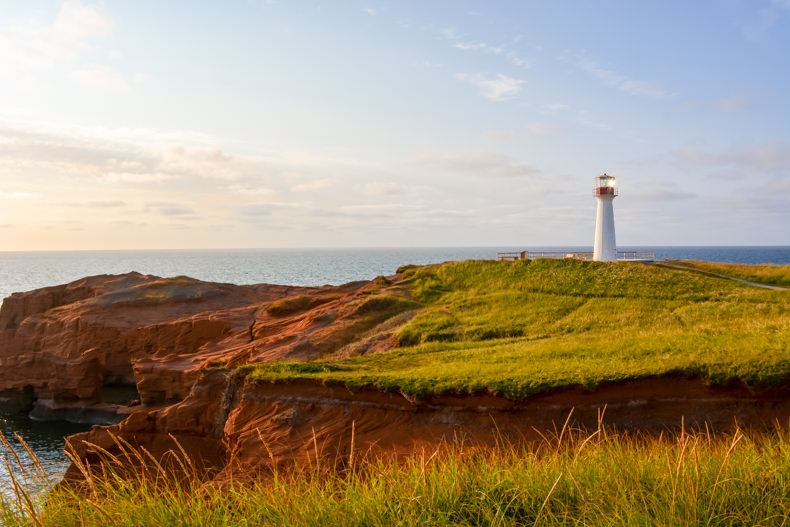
(236, 428)
(64, 348)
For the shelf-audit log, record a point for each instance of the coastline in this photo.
(187, 359)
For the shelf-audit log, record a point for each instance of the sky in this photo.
(244, 123)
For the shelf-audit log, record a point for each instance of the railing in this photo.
(622, 256)
(531, 255)
(511, 255)
(636, 256)
(605, 191)
(559, 255)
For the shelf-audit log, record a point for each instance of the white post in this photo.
(605, 248)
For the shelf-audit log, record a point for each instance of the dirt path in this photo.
(689, 268)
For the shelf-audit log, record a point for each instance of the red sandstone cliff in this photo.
(90, 349)
(162, 353)
(236, 428)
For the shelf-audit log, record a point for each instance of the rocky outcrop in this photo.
(98, 348)
(159, 358)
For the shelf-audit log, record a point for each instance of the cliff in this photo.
(236, 428)
(160, 361)
(96, 349)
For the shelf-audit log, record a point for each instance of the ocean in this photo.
(25, 271)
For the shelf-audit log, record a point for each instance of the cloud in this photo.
(758, 28)
(77, 21)
(470, 45)
(481, 165)
(101, 78)
(670, 193)
(449, 33)
(22, 147)
(384, 189)
(498, 136)
(384, 210)
(498, 88)
(314, 185)
(255, 210)
(473, 45)
(733, 104)
(541, 128)
(586, 119)
(516, 59)
(136, 178)
(369, 11)
(395, 189)
(479, 46)
(769, 157)
(275, 210)
(251, 190)
(779, 186)
(396, 214)
(27, 45)
(556, 106)
(138, 157)
(77, 153)
(95, 204)
(623, 83)
(111, 174)
(167, 208)
(16, 195)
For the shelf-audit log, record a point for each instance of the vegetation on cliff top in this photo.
(519, 328)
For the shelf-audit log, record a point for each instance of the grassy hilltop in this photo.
(519, 328)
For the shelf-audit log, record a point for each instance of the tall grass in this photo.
(569, 478)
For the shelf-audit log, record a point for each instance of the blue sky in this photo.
(187, 124)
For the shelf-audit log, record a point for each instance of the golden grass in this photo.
(571, 477)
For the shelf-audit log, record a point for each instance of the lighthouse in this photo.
(605, 249)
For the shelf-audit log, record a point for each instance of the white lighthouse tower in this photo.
(605, 249)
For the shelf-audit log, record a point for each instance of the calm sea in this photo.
(24, 271)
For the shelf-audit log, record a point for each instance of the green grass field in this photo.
(519, 328)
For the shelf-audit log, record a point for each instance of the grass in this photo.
(769, 274)
(519, 328)
(573, 478)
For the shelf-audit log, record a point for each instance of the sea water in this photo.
(46, 440)
(25, 271)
